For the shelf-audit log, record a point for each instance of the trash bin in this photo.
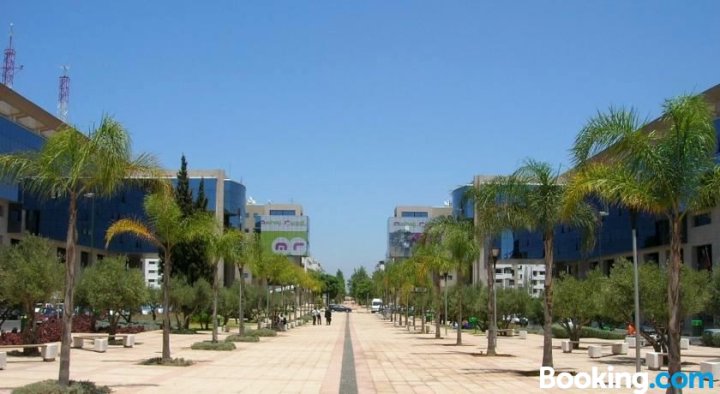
(697, 327)
(473, 322)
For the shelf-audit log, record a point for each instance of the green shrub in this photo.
(207, 345)
(587, 332)
(306, 318)
(238, 338)
(175, 362)
(52, 387)
(710, 339)
(263, 332)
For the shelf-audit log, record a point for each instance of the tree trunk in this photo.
(438, 304)
(459, 306)
(259, 304)
(492, 313)
(216, 279)
(167, 269)
(547, 326)
(241, 312)
(29, 334)
(69, 306)
(674, 362)
(296, 291)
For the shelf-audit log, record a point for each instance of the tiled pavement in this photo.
(308, 359)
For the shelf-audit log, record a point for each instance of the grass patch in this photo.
(263, 332)
(207, 345)
(175, 362)
(52, 387)
(238, 338)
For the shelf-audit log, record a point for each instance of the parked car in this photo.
(340, 308)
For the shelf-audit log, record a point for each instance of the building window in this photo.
(701, 219)
(84, 259)
(704, 257)
(61, 253)
(652, 258)
(414, 214)
(282, 212)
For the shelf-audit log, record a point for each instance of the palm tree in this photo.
(667, 172)
(489, 222)
(535, 198)
(457, 238)
(431, 257)
(221, 246)
(69, 165)
(165, 228)
(243, 257)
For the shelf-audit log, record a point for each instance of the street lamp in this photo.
(445, 315)
(493, 319)
(92, 222)
(633, 221)
(381, 266)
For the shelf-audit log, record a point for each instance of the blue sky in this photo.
(353, 107)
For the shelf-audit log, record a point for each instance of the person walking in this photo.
(319, 317)
(328, 316)
(314, 313)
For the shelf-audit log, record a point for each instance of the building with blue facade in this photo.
(24, 127)
(701, 243)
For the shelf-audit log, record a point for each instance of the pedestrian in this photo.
(314, 313)
(328, 316)
(319, 317)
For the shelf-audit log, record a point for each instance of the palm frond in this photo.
(134, 227)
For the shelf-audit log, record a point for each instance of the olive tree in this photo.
(30, 272)
(111, 287)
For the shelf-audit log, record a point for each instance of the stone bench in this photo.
(100, 343)
(595, 348)
(48, 351)
(630, 340)
(684, 343)
(508, 332)
(523, 334)
(655, 360)
(711, 366)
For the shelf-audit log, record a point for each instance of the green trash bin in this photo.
(473, 322)
(697, 327)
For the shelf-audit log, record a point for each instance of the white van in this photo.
(376, 305)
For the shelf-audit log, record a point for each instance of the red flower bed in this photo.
(49, 331)
(11, 338)
(124, 330)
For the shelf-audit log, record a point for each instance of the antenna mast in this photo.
(8, 72)
(64, 95)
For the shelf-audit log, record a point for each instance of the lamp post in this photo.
(445, 315)
(633, 217)
(92, 222)
(381, 266)
(491, 282)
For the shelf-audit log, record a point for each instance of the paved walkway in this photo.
(317, 359)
